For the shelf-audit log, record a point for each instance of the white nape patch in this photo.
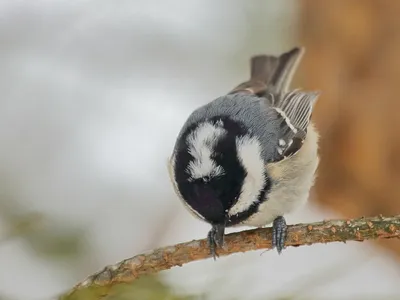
(201, 142)
(249, 152)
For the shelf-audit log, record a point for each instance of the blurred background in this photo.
(93, 94)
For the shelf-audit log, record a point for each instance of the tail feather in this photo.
(283, 74)
(276, 73)
(272, 74)
(263, 68)
(270, 79)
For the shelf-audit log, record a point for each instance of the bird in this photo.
(250, 156)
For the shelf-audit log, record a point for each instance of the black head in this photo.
(207, 170)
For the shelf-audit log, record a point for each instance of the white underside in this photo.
(296, 176)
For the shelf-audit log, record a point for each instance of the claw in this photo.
(279, 230)
(215, 239)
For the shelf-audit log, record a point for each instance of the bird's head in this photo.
(217, 170)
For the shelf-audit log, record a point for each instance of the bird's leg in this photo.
(215, 238)
(279, 230)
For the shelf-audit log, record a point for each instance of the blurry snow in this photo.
(93, 96)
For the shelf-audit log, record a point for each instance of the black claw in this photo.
(279, 230)
(215, 239)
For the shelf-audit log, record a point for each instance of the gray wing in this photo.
(294, 110)
(270, 79)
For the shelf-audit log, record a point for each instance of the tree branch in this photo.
(165, 258)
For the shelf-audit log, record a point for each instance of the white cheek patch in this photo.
(249, 153)
(201, 142)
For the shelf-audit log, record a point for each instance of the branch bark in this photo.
(165, 258)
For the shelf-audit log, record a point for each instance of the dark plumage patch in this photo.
(294, 147)
(240, 217)
(212, 197)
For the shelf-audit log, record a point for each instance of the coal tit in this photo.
(250, 156)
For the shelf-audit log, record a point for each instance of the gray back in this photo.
(253, 112)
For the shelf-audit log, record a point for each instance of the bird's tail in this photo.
(272, 73)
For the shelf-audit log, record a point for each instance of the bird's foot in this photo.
(215, 239)
(279, 230)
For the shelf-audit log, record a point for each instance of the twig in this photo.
(165, 258)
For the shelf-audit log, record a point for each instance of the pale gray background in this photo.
(93, 94)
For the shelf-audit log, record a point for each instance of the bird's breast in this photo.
(292, 180)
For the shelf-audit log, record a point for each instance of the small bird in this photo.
(249, 157)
